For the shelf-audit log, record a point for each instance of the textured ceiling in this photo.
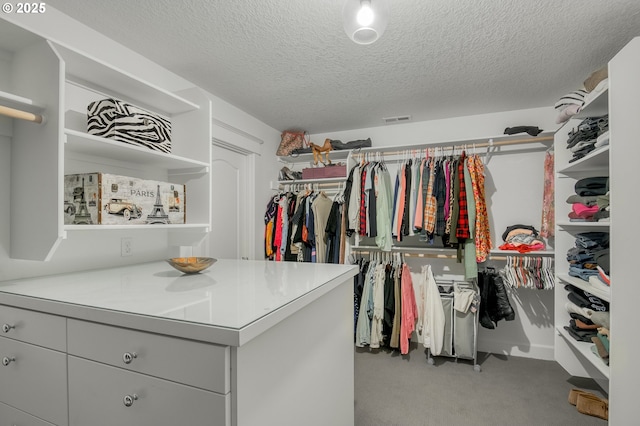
(290, 64)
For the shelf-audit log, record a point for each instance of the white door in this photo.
(232, 203)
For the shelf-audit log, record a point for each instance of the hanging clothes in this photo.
(409, 309)
(482, 231)
(470, 264)
(394, 341)
(384, 209)
(548, 206)
(433, 321)
(321, 207)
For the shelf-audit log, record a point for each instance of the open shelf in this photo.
(82, 68)
(85, 143)
(598, 106)
(584, 349)
(585, 226)
(602, 293)
(196, 226)
(529, 253)
(594, 161)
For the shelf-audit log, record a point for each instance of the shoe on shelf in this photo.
(593, 406)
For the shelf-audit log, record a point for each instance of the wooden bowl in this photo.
(191, 265)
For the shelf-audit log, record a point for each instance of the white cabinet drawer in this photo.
(34, 380)
(33, 327)
(97, 395)
(184, 361)
(9, 416)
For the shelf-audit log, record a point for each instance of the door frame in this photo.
(247, 203)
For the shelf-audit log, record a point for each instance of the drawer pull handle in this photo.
(128, 400)
(129, 356)
(6, 360)
(6, 327)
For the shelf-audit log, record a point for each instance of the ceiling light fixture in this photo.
(365, 20)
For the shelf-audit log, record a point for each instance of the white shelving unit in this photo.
(60, 82)
(575, 356)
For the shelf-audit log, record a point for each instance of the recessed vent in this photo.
(398, 119)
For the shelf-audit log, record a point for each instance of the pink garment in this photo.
(409, 309)
(583, 210)
(277, 241)
(523, 248)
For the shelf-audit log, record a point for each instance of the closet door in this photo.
(232, 204)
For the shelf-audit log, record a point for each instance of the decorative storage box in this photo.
(106, 199)
(117, 120)
(325, 172)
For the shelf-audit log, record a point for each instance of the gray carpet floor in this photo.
(391, 389)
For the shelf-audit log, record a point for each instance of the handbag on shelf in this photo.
(291, 141)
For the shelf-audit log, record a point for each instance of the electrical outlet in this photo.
(126, 248)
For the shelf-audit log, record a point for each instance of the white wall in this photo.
(514, 184)
(83, 251)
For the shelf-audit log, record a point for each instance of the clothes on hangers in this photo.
(528, 272)
(431, 198)
(305, 226)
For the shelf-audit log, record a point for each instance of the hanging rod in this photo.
(431, 255)
(314, 184)
(488, 144)
(414, 252)
(22, 115)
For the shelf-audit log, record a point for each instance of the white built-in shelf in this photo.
(335, 156)
(597, 107)
(312, 181)
(182, 226)
(84, 143)
(545, 138)
(82, 68)
(602, 293)
(594, 161)
(21, 103)
(585, 349)
(584, 226)
(529, 253)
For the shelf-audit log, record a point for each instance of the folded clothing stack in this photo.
(590, 203)
(573, 102)
(583, 138)
(569, 105)
(523, 238)
(589, 325)
(589, 259)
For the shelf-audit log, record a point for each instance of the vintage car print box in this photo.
(107, 199)
(113, 119)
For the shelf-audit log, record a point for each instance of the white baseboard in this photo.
(544, 352)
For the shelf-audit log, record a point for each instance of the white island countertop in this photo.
(230, 303)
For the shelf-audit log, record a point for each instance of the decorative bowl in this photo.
(191, 265)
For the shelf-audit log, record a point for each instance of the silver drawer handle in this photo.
(6, 360)
(6, 327)
(129, 356)
(128, 400)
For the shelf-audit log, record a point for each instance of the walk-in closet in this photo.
(348, 212)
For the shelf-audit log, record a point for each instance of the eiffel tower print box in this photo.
(107, 199)
(113, 119)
